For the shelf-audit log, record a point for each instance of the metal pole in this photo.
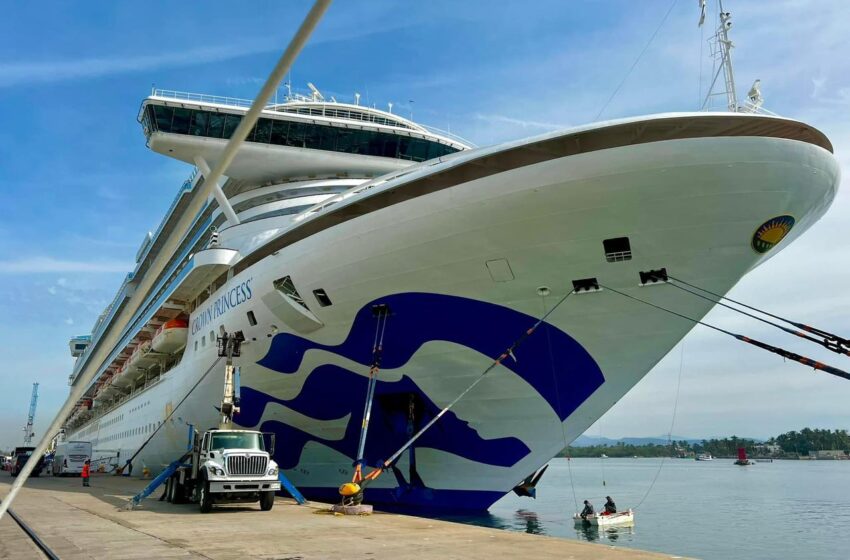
(218, 192)
(241, 132)
(280, 70)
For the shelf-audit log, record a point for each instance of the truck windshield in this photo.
(236, 440)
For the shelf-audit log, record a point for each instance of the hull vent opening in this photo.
(322, 297)
(287, 287)
(586, 286)
(651, 277)
(617, 249)
(252, 319)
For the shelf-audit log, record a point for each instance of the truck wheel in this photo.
(266, 500)
(169, 490)
(206, 501)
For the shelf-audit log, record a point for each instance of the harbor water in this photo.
(712, 510)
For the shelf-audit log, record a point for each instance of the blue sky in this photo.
(80, 190)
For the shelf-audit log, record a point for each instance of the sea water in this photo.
(703, 509)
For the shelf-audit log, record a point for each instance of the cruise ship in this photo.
(345, 223)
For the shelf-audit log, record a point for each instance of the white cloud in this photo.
(51, 290)
(69, 321)
(20, 73)
(521, 123)
(41, 265)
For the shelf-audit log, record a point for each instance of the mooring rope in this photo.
(558, 402)
(670, 431)
(764, 346)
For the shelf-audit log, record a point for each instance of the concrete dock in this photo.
(77, 522)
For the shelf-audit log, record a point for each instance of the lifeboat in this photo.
(109, 390)
(122, 378)
(138, 361)
(171, 336)
(142, 357)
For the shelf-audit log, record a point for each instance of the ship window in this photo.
(180, 123)
(262, 131)
(230, 125)
(617, 249)
(196, 346)
(216, 124)
(322, 297)
(163, 117)
(280, 130)
(199, 123)
(252, 320)
(287, 287)
(212, 337)
(204, 340)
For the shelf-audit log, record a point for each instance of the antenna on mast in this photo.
(317, 95)
(721, 51)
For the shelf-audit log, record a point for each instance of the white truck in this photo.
(70, 456)
(227, 466)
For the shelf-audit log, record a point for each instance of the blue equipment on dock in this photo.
(293, 491)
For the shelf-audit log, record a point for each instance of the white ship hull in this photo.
(688, 205)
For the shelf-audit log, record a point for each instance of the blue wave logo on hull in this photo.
(550, 361)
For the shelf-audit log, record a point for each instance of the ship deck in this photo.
(78, 522)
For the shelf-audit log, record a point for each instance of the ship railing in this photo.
(202, 98)
(449, 135)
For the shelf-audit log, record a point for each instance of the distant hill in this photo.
(590, 441)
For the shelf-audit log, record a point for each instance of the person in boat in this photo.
(610, 507)
(588, 510)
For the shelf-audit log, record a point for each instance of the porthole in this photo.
(252, 320)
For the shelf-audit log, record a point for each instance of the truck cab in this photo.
(228, 466)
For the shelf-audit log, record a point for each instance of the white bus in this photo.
(70, 457)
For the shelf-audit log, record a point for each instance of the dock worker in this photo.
(610, 506)
(86, 473)
(588, 510)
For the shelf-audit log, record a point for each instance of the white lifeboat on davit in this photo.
(137, 362)
(171, 336)
(121, 379)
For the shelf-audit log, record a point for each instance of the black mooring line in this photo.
(837, 340)
(764, 346)
(33, 536)
(673, 282)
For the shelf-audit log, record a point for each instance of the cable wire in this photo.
(804, 336)
(645, 47)
(670, 432)
(558, 402)
(764, 346)
(833, 340)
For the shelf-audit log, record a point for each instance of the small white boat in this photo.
(607, 519)
(705, 457)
